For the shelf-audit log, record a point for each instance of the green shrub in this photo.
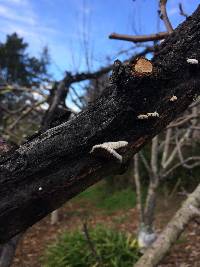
(72, 250)
(109, 201)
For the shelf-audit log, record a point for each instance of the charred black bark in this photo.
(45, 172)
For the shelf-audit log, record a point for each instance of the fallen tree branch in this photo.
(56, 165)
(188, 211)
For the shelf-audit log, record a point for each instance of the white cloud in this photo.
(22, 17)
(10, 14)
(17, 2)
(26, 23)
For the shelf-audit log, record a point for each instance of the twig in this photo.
(80, 98)
(164, 16)
(13, 112)
(191, 166)
(138, 187)
(175, 150)
(139, 38)
(146, 165)
(91, 245)
(195, 128)
(154, 155)
(24, 114)
(175, 188)
(166, 146)
(182, 121)
(182, 13)
(182, 160)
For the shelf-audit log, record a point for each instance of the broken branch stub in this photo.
(142, 67)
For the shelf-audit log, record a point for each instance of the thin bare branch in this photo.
(195, 128)
(13, 112)
(166, 146)
(91, 245)
(154, 155)
(182, 121)
(17, 88)
(175, 151)
(139, 38)
(153, 185)
(182, 12)
(24, 114)
(146, 164)
(182, 160)
(138, 188)
(191, 166)
(76, 103)
(164, 16)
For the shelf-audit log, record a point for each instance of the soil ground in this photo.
(185, 253)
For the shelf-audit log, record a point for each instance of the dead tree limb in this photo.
(60, 91)
(164, 16)
(188, 211)
(139, 38)
(55, 166)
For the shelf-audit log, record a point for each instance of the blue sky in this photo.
(63, 25)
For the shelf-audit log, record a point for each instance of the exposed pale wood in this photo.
(143, 66)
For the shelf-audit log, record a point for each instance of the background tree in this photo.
(17, 66)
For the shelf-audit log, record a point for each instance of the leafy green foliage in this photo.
(113, 249)
(109, 201)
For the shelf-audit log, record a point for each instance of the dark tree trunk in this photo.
(53, 167)
(7, 251)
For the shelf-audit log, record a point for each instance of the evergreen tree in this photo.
(17, 66)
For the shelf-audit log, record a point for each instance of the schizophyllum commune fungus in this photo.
(108, 149)
(153, 114)
(142, 116)
(149, 114)
(192, 61)
(173, 98)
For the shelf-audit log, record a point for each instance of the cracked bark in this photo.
(58, 160)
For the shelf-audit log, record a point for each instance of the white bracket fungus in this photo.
(149, 114)
(173, 98)
(108, 149)
(192, 61)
